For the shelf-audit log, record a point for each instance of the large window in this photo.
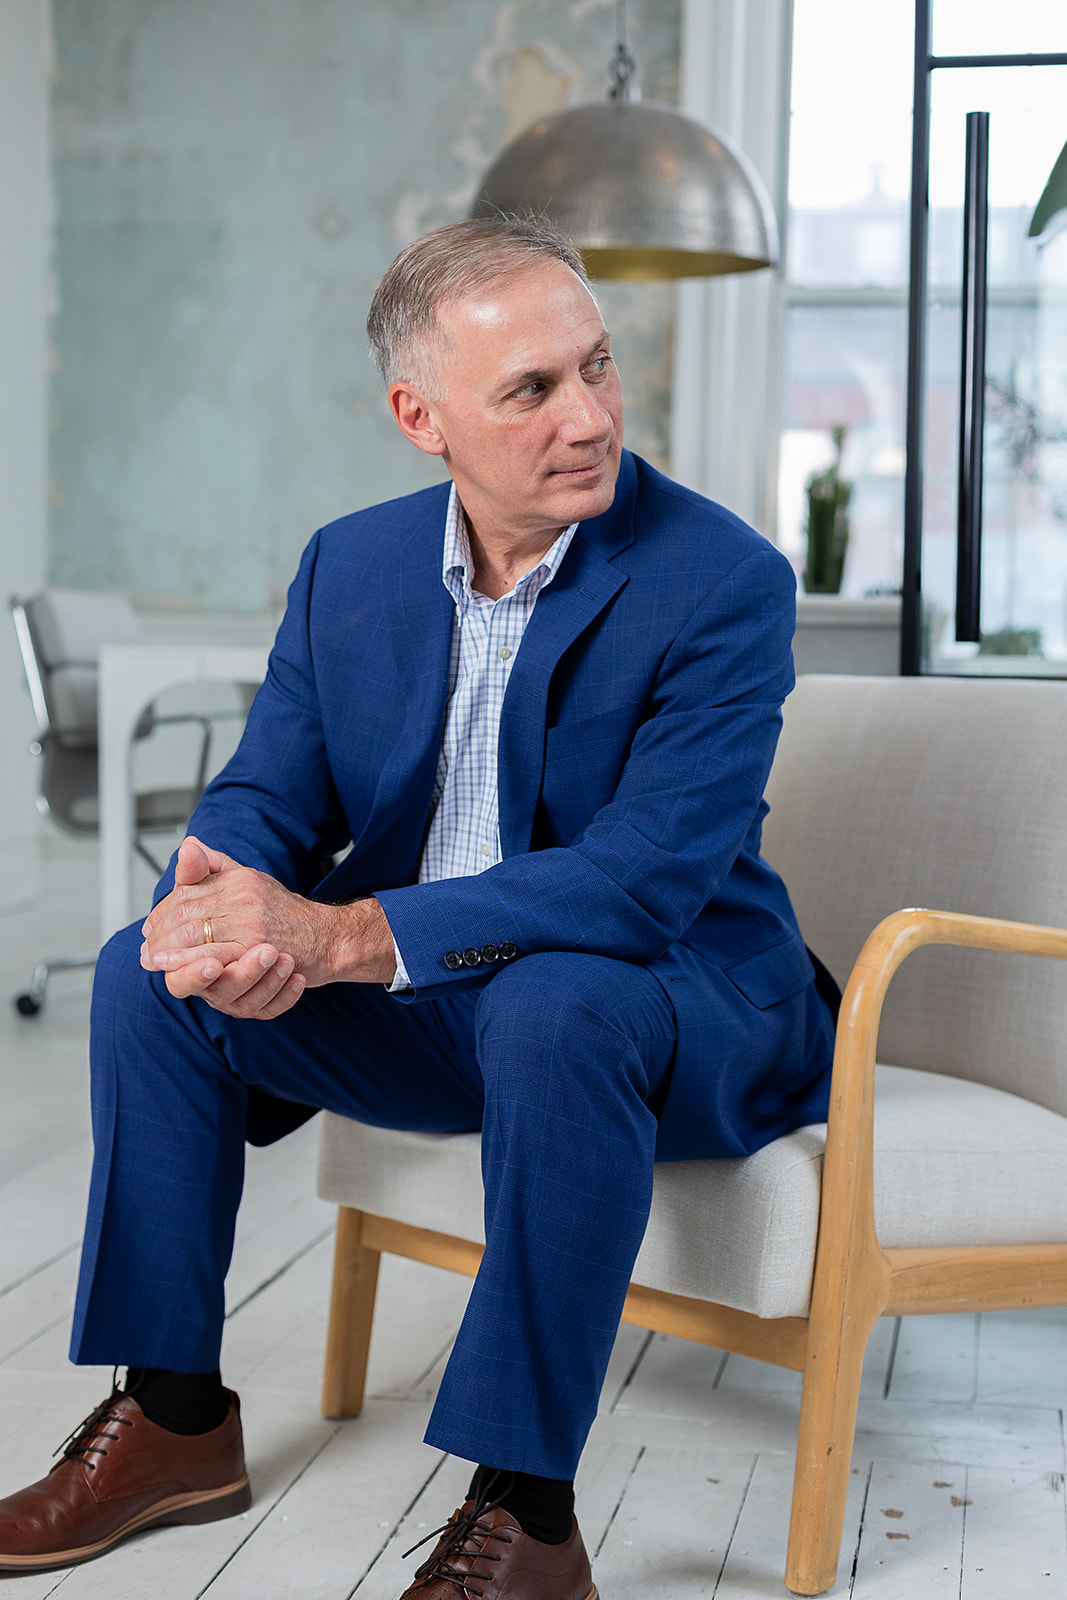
(844, 344)
(844, 348)
(1024, 501)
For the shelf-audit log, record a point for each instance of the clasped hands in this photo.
(267, 944)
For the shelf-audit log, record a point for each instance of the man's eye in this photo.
(528, 391)
(599, 365)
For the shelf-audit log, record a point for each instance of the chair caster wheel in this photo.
(26, 1005)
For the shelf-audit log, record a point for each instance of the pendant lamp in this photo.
(643, 191)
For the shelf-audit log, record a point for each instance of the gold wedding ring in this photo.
(207, 930)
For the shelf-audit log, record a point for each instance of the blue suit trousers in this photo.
(562, 1060)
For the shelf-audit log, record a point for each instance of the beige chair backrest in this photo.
(944, 793)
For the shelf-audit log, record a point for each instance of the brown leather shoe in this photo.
(119, 1474)
(484, 1552)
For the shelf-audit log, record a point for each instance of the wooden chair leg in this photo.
(355, 1283)
(824, 1452)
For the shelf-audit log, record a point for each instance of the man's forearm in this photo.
(362, 949)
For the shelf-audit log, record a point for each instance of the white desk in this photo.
(131, 676)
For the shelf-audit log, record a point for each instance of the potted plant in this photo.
(828, 497)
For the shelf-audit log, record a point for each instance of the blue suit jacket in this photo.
(636, 737)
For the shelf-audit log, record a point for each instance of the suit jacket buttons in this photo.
(473, 957)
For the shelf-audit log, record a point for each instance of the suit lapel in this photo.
(418, 613)
(411, 637)
(583, 586)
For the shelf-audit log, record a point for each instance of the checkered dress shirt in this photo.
(464, 833)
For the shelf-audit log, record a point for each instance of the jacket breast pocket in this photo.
(772, 974)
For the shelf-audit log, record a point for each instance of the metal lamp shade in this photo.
(643, 191)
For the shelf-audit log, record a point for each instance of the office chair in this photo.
(59, 634)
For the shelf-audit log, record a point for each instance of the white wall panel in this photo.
(735, 75)
(25, 207)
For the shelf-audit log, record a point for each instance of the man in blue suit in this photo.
(540, 706)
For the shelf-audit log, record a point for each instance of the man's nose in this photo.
(584, 416)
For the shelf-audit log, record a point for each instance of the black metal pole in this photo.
(1048, 58)
(911, 597)
(972, 380)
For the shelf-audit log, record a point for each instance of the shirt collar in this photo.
(457, 566)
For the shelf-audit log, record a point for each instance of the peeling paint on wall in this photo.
(535, 89)
(231, 183)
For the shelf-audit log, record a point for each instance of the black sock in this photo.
(542, 1507)
(181, 1402)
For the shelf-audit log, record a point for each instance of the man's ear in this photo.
(416, 419)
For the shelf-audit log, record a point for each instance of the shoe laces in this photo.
(79, 1446)
(466, 1535)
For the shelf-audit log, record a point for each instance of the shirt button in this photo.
(486, 850)
(503, 652)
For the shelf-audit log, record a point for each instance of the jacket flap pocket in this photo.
(773, 974)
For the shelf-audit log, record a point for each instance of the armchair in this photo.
(940, 1180)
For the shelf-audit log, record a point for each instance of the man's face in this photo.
(530, 426)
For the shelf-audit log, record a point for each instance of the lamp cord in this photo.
(622, 64)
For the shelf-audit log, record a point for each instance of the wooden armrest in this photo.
(897, 936)
(894, 939)
(848, 1171)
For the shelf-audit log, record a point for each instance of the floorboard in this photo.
(435, 1492)
(936, 1359)
(1015, 1539)
(912, 1536)
(43, 1207)
(322, 1534)
(1022, 1358)
(39, 1304)
(676, 1520)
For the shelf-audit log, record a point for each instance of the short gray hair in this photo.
(445, 266)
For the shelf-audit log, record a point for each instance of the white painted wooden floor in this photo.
(958, 1482)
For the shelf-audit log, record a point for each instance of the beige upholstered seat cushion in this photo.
(955, 1163)
(428, 1180)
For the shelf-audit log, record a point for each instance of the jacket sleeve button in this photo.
(472, 957)
(490, 952)
(507, 950)
(453, 960)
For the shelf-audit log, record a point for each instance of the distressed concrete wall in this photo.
(231, 182)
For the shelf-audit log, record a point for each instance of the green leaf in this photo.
(1054, 197)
